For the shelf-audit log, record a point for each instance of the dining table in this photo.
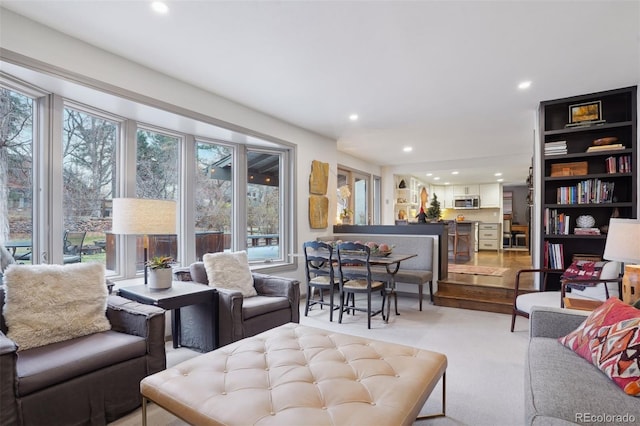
(391, 262)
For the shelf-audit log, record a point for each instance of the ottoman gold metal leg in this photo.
(444, 401)
(144, 411)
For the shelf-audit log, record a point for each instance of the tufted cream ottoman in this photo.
(298, 375)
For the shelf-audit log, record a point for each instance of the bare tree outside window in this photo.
(16, 162)
(89, 170)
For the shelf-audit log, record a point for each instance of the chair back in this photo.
(506, 226)
(353, 263)
(73, 242)
(319, 258)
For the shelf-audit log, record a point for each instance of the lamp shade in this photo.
(141, 216)
(623, 241)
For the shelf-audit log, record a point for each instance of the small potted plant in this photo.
(160, 272)
(345, 216)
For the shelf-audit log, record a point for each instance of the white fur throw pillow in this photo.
(52, 303)
(230, 270)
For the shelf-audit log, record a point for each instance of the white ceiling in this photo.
(440, 76)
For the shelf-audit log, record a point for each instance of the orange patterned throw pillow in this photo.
(616, 352)
(610, 339)
(613, 310)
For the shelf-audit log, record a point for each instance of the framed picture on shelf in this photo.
(585, 112)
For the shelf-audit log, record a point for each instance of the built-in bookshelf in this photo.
(589, 167)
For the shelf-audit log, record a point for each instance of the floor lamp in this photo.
(623, 245)
(142, 216)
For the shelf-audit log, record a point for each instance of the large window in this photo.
(213, 198)
(89, 170)
(63, 160)
(16, 172)
(264, 205)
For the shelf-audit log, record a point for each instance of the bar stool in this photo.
(463, 235)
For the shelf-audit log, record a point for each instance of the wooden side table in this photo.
(582, 304)
(180, 295)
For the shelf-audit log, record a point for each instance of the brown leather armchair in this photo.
(277, 303)
(90, 380)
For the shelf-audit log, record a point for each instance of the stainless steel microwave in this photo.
(466, 202)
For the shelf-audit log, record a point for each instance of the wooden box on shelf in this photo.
(577, 168)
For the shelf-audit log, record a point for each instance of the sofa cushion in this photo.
(230, 270)
(45, 366)
(581, 340)
(53, 303)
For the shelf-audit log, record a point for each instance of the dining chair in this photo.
(355, 278)
(320, 274)
(72, 246)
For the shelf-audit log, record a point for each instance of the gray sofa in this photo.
(561, 388)
(415, 271)
(277, 303)
(89, 380)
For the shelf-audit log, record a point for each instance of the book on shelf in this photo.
(612, 147)
(586, 231)
(590, 191)
(621, 164)
(553, 255)
(556, 223)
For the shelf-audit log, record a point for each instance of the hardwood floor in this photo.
(482, 292)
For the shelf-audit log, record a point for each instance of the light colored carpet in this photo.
(485, 377)
(477, 270)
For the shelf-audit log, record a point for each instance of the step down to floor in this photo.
(474, 296)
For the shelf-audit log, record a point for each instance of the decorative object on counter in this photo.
(605, 141)
(422, 216)
(402, 184)
(402, 215)
(423, 197)
(160, 272)
(585, 221)
(460, 217)
(346, 216)
(433, 212)
(343, 199)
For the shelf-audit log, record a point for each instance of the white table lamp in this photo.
(623, 245)
(142, 216)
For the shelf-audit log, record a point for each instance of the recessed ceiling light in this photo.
(159, 7)
(455, 173)
(500, 180)
(497, 174)
(447, 183)
(429, 174)
(436, 178)
(524, 85)
(407, 149)
(353, 117)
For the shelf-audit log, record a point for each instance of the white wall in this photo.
(68, 56)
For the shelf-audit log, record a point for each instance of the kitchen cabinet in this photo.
(445, 195)
(489, 236)
(490, 195)
(470, 189)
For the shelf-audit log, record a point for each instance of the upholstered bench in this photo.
(293, 375)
